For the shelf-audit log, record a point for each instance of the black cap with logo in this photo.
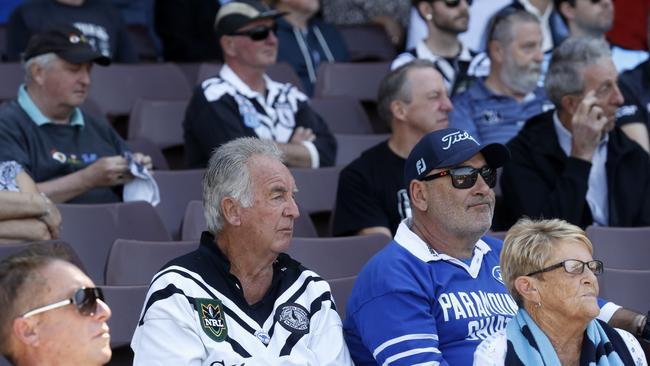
(67, 42)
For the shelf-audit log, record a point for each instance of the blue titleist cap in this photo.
(447, 148)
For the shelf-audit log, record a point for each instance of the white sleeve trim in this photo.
(403, 338)
(634, 347)
(313, 153)
(607, 311)
(411, 352)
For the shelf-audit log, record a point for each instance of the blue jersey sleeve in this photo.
(399, 329)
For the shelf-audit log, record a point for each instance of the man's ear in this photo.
(426, 10)
(231, 211)
(228, 45)
(526, 286)
(496, 51)
(568, 11)
(570, 103)
(419, 195)
(398, 110)
(25, 330)
(38, 73)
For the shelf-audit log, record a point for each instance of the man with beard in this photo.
(573, 163)
(494, 109)
(445, 21)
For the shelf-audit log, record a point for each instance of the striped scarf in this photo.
(528, 345)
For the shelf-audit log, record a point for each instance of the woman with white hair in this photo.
(550, 272)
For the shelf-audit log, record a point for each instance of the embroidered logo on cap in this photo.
(456, 137)
(212, 318)
(420, 165)
(293, 318)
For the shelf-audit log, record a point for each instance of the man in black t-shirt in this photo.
(371, 194)
(72, 156)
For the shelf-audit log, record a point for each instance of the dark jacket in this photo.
(541, 181)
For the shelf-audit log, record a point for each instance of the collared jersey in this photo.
(195, 314)
(410, 305)
(224, 108)
(492, 117)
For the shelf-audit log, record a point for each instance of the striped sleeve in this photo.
(400, 329)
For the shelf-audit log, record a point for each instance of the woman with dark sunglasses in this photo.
(550, 272)
(52, 313)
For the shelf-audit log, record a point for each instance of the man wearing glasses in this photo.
(52, 313)
(445, 20)
(243, 101)
(435, 292)
(574, 163)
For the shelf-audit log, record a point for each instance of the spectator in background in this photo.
(634, 116)
(25, 214)
(371, 196)
(573, 163)
(305, 41)
(392, 15)
(72, 156)
(494, 109)
(243, 101)
(98, 20)
(554, 30)
(594, 19)
(186, 30)
(445, 21)
(239, 299)
(52, 313)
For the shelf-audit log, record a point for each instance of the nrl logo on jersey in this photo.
(293, 318)
(212, 318)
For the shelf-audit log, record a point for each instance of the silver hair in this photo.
(566, 69)
(228, 175)
(501, 25)
(44, 61)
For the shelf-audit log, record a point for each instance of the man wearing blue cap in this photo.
(433, 293)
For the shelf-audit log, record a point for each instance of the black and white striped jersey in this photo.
(195, 314)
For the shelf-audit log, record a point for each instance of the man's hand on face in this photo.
(587, 127)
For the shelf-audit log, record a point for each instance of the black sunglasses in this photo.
(464, 177)
(574, 266)
(258, 33)
(455, 3)
(84, 299)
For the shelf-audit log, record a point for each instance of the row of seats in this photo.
(365, 42)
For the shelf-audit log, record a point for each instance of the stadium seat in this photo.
(134, 262)
(159, 121)
(356, 80)
(316, 188)
(281, 72)
(147, 147)
(336, 257)
(621, 248)
(341, 290)
(626, 287)
(57, 248)
(11, 76)
(126, 304)
(194, 223)
(177, 188)
(91, 229)
(350, 147)
(117, 87)
(342, 115)
(367, 42)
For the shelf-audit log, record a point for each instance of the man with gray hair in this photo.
(238, 299)
(371, 196)
(72, 156)
(495, 108)
(574, 163)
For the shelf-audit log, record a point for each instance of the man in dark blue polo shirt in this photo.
(72, 156)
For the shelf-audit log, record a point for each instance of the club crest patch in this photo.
(294, 318)
(212, 318)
